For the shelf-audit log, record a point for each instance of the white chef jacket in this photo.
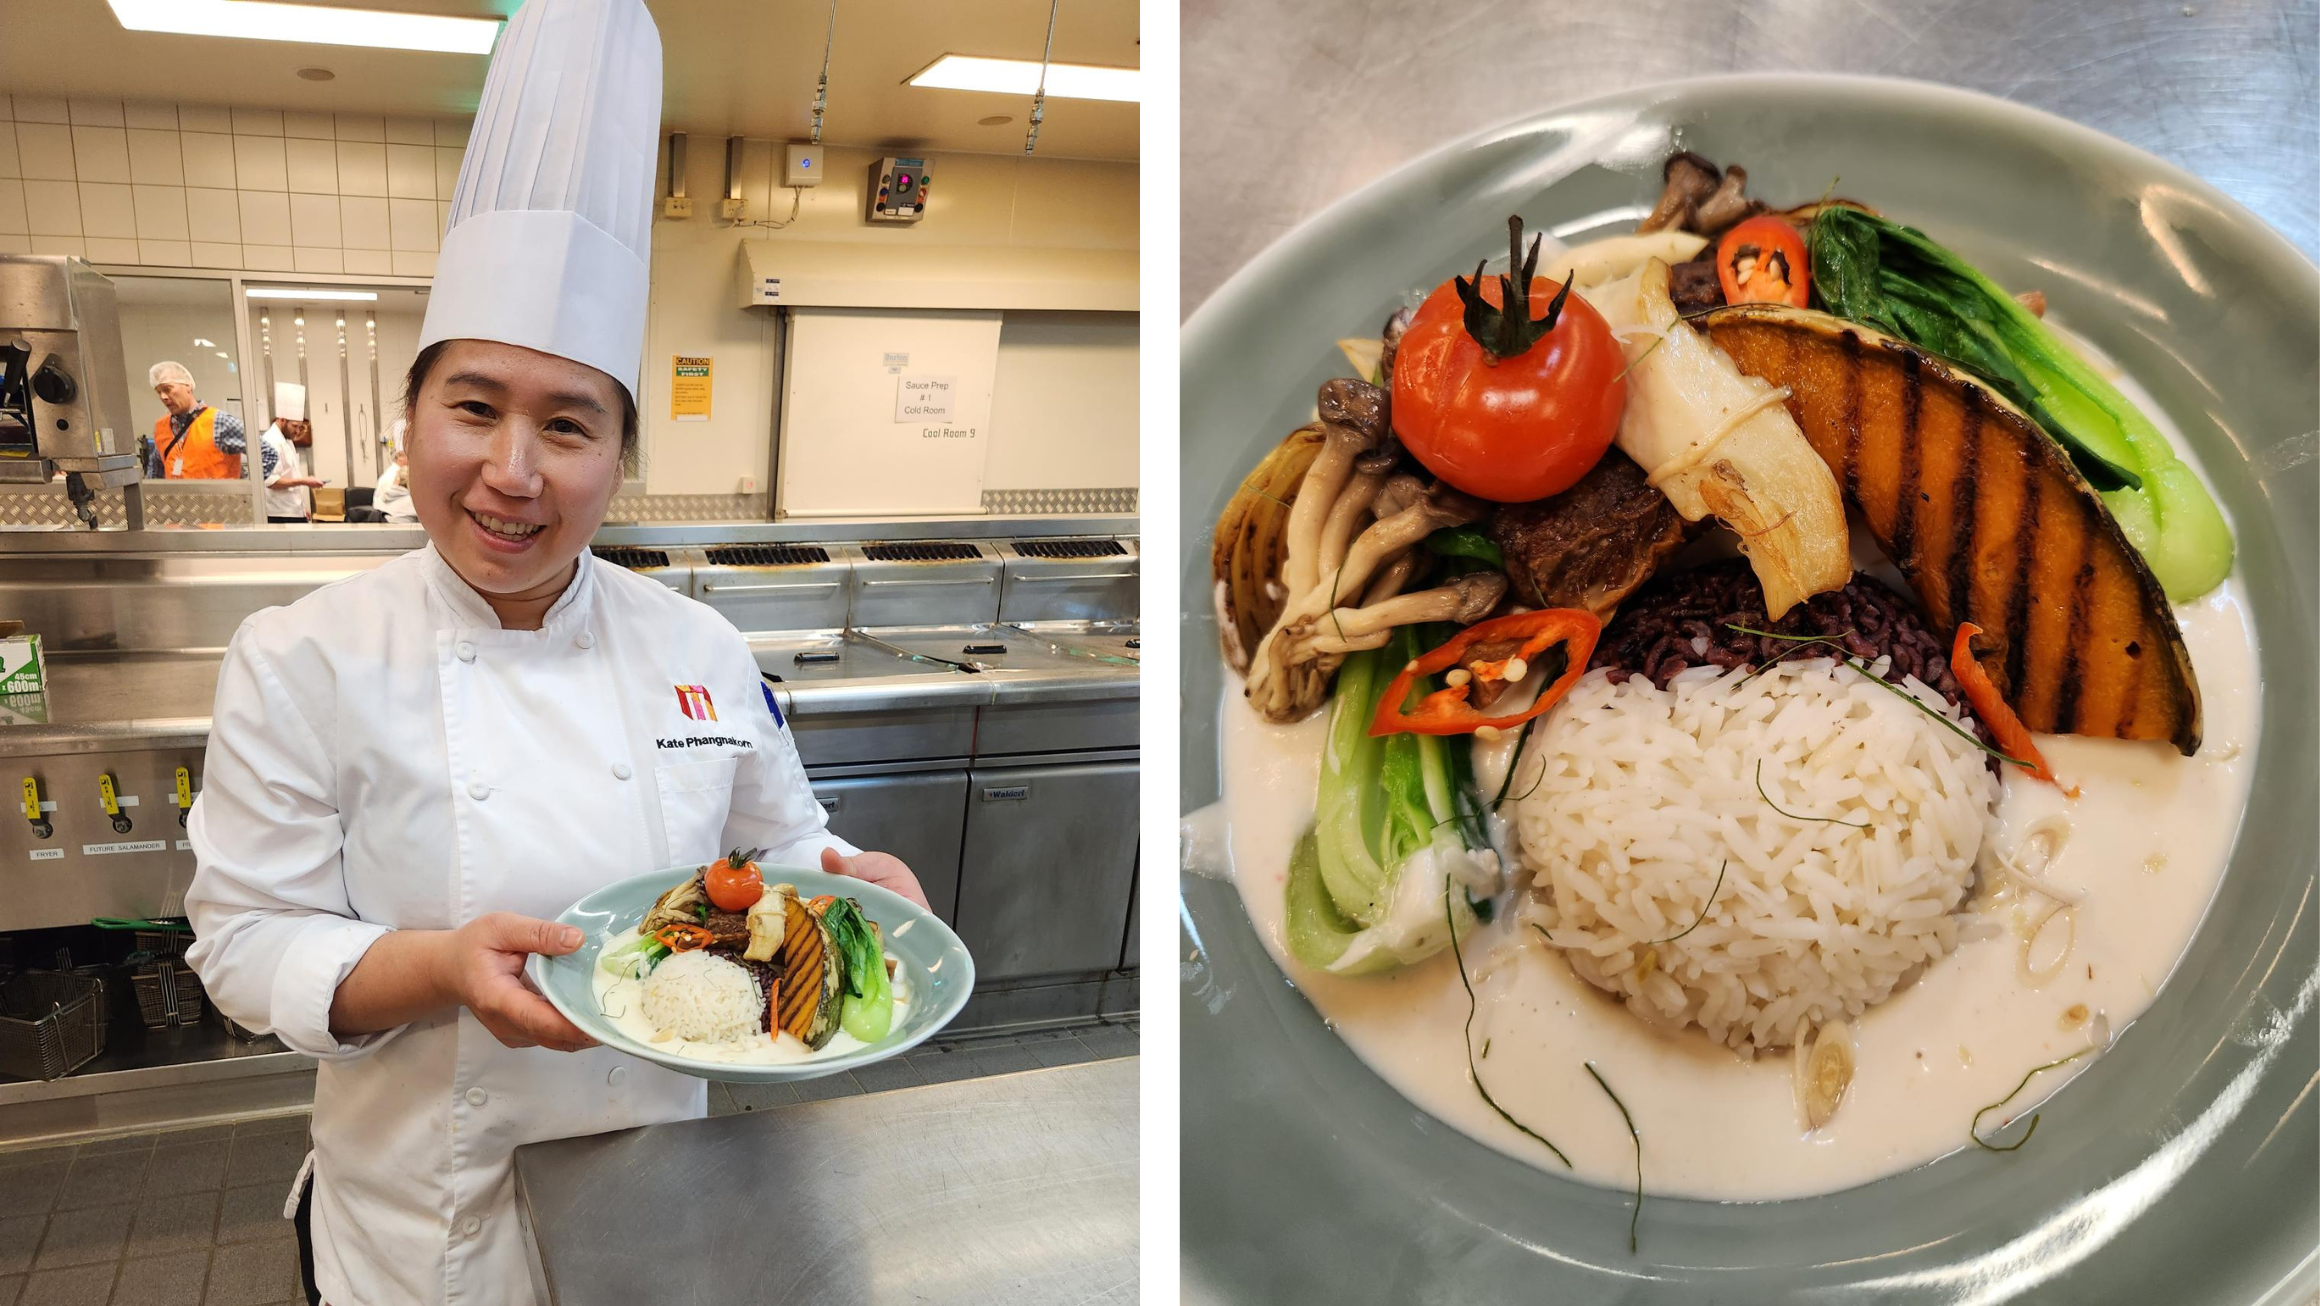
(383, 755)
(393, 498)
(289, 501)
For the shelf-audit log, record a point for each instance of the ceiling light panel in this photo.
(260, 20)
(296, 292)
(1068, 81)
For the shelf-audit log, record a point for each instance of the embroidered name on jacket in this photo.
(705, 741)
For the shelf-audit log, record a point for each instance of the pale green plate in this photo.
(2181, 1168)
(938, 970)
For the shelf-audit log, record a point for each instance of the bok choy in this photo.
(1396, 823)
(1893, 278)
(868, 1011)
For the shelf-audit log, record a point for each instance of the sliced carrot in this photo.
(2011, 736)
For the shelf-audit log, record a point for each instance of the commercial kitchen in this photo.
(887, 427)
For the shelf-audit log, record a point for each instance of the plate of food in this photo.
(760, 974)
(1758, 631)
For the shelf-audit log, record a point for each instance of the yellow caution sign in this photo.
(184, 789)
(112, 799)
(31, 799)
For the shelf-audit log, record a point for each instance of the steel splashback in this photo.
(1068, 579)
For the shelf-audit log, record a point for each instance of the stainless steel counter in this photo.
(1014, 1190)
(1291, 104)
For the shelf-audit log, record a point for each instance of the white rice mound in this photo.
(1646, 793)
(702, 998)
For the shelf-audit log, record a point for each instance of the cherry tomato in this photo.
(1762, 261)
(734, 888)
(1519, 422)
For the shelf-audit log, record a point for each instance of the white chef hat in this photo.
(290, 401)
(168, 374)
(551, 225)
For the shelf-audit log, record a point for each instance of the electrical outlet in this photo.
(731, 210)
(676, 206)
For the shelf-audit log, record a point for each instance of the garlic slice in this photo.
(1827, 1073)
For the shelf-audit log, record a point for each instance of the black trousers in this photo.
(287, 521)
(305, 1227)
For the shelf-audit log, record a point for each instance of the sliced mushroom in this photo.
(1726, 205)
(1331, 469)
(1463, 600)
(1689, 179)
(1347, 401)
(1288, 674)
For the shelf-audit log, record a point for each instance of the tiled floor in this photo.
(194, 1217)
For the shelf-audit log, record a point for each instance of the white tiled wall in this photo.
(189, 185)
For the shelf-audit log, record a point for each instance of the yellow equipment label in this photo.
(31, 799)
(112, 799)
(184, 788)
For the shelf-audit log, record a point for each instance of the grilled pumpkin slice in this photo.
(813, 979)
(1988, 520)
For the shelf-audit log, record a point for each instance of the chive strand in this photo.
(1974, 1131)
(1635, 1214)
(1796, 816)
(1473, 1071)
(1695, 920)
(1520, 741)
(1905, 696)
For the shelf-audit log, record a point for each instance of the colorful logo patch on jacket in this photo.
(693, 701)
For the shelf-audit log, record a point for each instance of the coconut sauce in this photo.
(2147, 844)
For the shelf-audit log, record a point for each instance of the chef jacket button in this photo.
(620, 771)
(618, 1076)
(478, 791)
(586, 640)
(470, 1227)
(466, 651)
(477, 1097)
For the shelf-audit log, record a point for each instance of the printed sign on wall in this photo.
(689, 387)
(925, 398)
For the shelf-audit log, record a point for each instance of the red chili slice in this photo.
(1447, 712)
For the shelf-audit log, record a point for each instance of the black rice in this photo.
(1686, 619)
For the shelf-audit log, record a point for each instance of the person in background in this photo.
(393, 495)
(193, 442)
(289, 490)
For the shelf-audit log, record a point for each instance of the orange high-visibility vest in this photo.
(196, 457)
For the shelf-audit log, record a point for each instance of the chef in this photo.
(289, 496)
(410, 773)
(393, 495)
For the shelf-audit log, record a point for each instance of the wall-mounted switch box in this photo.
(802, 166)
(898, 189)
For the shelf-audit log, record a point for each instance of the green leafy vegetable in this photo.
(1465, 542)
(635, 959)
(868, 1011)
(1395, 820)
(1891, 277)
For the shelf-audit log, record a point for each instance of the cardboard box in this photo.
(20, 667)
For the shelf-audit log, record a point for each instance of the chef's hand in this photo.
(484, 971)
(882, 869)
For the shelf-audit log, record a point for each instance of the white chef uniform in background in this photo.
(384, 755)
(295, 500)
(393, 495)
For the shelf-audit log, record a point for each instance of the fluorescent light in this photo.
(261, 20)
(1069, 81)
(294, 292)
